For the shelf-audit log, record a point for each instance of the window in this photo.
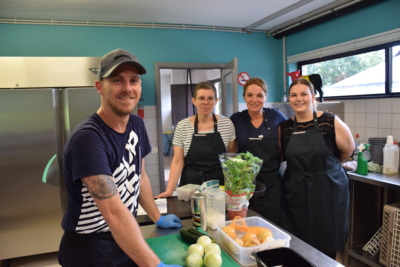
(396, 69)
(368, 72)
(218, 86)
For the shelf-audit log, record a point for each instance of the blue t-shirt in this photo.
(241, 120)
(93, 148)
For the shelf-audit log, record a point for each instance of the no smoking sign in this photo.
(243, 77)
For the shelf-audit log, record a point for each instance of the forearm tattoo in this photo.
(101, 187)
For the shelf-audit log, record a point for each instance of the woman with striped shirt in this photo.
(198, 140)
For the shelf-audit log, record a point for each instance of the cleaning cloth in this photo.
(373, 167)
(167, 143)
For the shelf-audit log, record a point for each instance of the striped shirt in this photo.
(184, 132)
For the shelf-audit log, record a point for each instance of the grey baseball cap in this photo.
(113, 59)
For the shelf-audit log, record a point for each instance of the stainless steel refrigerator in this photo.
(41, 101)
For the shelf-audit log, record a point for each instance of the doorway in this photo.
(175, 83)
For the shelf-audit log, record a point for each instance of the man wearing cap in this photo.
(104, 173)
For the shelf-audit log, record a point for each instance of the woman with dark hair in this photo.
(315, 185)
(198, 141)
(257, 132)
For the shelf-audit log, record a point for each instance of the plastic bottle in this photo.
(390, 157)
(140, 110)
(397, 144)
(356, 143)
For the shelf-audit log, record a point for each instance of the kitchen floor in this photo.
(50, 260)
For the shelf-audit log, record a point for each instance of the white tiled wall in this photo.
(373, 117)
(152, 169)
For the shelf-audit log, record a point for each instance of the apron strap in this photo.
(196, 122)
(315, 122)
(250, 126)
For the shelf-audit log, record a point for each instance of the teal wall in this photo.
(377, 18)
(257, 54)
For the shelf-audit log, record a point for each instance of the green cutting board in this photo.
(172, 249)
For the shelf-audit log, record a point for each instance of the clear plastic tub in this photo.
(215, 207)
(243, 254)
(185, 192)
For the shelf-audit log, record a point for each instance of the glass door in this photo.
(229, 99)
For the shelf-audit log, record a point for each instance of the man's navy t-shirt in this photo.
(93, 148)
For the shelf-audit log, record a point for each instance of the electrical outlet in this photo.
(154, 150)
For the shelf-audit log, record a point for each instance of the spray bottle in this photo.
(363, 156)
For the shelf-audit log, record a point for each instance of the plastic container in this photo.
(398, 145)
(232, 213)
(377, 145)
(243, 254)
(390, 157)
(390, 241)
(185, 192)
(215, 208)
(280, 257)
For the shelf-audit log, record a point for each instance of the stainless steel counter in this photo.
(313, 255)
(390, 181)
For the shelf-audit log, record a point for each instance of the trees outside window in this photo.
(371, 72)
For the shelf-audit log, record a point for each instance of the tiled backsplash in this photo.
(152, 166)
(373, 117)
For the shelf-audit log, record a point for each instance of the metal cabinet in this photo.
(30, 210)
(370, 193)
(30, 213)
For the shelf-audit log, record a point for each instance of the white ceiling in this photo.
(221, 13)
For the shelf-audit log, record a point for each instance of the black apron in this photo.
(202, 161)
(315, 192)
(92, 250)
(267, 149)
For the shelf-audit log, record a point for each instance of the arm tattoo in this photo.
(101, 187)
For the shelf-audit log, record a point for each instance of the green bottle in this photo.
(363, 156)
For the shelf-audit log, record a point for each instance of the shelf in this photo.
(363, 256)
(369, 195)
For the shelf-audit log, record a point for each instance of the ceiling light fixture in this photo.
(276, 15)
(53, 22)
(323, 15)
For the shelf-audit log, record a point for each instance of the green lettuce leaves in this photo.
(240, 172)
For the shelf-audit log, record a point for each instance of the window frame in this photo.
(388, 70)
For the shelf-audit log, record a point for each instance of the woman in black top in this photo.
(316, 187)
(257, 132)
